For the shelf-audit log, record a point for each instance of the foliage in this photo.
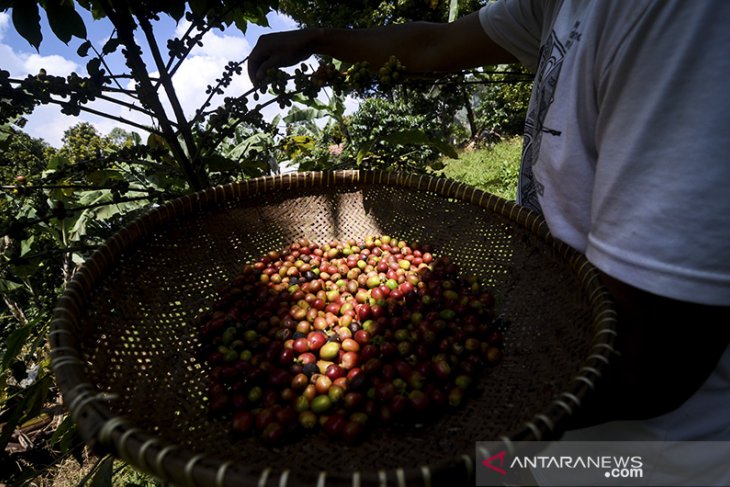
(20, 155)
(494, 169)
(381, 134)
(81, 143)
(171, 130)
(502, 105)
(368, 13)
(253, 152)
(391, 134)
(468, 104)
(58, 208)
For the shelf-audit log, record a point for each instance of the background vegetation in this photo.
(58, 204)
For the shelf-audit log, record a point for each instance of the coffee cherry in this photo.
(379, 329)
(320, 404)
(243, 422)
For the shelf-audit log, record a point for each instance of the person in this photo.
(627, 156)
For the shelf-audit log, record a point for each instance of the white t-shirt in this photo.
(627, 155)
(627, 146)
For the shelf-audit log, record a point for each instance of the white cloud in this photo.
(217, 44)
(48, 123)
(279, 21)
(20, 63)
(4, 23)
(53, 64)
(4, 20)
(10, 61)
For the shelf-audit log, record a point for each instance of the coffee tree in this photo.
(466, 105)
(56, 206)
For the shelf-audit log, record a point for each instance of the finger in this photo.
(254, 66)
(260, 54)
(263, 69)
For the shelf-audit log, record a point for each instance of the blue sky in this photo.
(200, 69)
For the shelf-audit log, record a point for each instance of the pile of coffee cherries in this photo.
(341, 336)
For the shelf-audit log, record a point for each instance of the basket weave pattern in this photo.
(124, 346)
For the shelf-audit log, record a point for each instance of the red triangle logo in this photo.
(499, 456)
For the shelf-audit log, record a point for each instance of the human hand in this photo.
(278, 50)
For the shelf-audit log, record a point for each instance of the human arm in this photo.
(422, 47)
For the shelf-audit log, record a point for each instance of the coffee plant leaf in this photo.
(104, 473)
(14, 345)
(27, 21)
(65, 21)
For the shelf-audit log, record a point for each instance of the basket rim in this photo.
(105, 431)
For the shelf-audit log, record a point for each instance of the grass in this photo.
(494, 169)
(72, 474)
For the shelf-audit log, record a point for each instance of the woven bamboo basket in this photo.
(124, 345)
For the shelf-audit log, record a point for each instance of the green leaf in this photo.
(104, 471)
(419, 137)
(302, 140)
(363, 151)
(32, 401)
(66, 425)
(197, 7)
(26, 245)
(311, 102)
(83, 49)
(65, 21)
(304, 115)
(27, 21)
(14, 344)
(93, 6)
(109, 211)
(102, 176)
(259, 141)
(219, 163)
(67, 436)
(7, 286)
(56, 162)
(176, 10)
(155, 141)
(111, 45)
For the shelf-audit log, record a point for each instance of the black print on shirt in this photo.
(552, 54)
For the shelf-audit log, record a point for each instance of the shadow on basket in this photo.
(126, 335)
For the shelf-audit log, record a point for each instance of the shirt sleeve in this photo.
(660, 211)
(516, 25)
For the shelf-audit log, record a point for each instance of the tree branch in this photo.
(77, 209)
(106, 66)
(15, 310)
(200, 113)
(148, 95)
(124, 104)
(67, 250)
(182, 123)
(257, 108)
(110, 117)
(171, 67)
(43, 187)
